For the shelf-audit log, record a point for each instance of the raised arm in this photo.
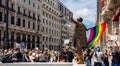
(117, 47)
(71, 18)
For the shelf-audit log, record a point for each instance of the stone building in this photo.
(34, 23)
(51, 36)
(67, 25)
(109, 11)
(24, 22)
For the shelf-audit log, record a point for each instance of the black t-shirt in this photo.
(64, 55)
(19, 57)
(116, 57)
(69, 55)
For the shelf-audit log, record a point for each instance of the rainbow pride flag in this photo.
(95, 34)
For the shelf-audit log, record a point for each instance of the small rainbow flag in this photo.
(95, 34)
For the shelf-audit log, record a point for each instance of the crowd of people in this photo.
(69, 54)
(103, 57)
(36, 55)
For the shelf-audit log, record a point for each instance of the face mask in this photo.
(114, 49)
(98, 49)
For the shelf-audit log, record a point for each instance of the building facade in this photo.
(51, 36)
(109, 11)
(67, 25)
(24, 22)
(34, 23)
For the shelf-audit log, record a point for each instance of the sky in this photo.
(83, 8)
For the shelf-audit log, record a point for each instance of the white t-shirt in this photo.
(99, 56)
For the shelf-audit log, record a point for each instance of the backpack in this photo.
(6, 58)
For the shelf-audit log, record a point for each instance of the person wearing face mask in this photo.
(115, 55)
(98, 56)
(87, 57)
(105, 58)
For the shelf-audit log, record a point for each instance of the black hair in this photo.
(80, 19)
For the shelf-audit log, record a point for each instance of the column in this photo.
(9, 40)
(26, 40)
(35, 41)
(0, 39)
(15, 38)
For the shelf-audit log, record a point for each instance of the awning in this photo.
(115, 18)
(117, 12)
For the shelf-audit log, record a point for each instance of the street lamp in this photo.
(6, 35)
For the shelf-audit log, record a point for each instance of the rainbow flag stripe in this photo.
(95, 34)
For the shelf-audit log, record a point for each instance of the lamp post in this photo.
(6, 35)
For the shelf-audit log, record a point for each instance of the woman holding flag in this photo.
(80, 38)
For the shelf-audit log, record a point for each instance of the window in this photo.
(38, 16)
(33, 26)
(23, 37)
(43, 20)
(48, 1)
(43, 38)
(46, 30)
(24, 0)
(38, 39)
(0, 16)
(18, 9)
(53, 4)
(12, 20)
(23, 23)
(18, 22)
(33, 4)
(24, 11)
(29, 24)
(46, 39)
(38, 28)
(12, 6)
(33, 15)
(4, 17)
(38, 7)
(43, 13)
(29, 13)
(12, 39)
(46, 15)
(43, 29)
(46, 22)
(18, 37)
(29, 2)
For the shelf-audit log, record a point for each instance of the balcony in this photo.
(34, 18)
(1, 5)
(25, 15)
(19, 12)
(9, 8)
(29, 16)
(13, 10)
(39, 20)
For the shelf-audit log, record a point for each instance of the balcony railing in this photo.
(1, 5)
(34, 18)
(13, 10)
(39, 20)
(19, 12)
(29, 16)
(25, 15)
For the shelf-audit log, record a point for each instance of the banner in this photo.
(66, 41)
(17, 45)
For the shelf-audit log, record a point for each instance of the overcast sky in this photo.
(83, 8)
